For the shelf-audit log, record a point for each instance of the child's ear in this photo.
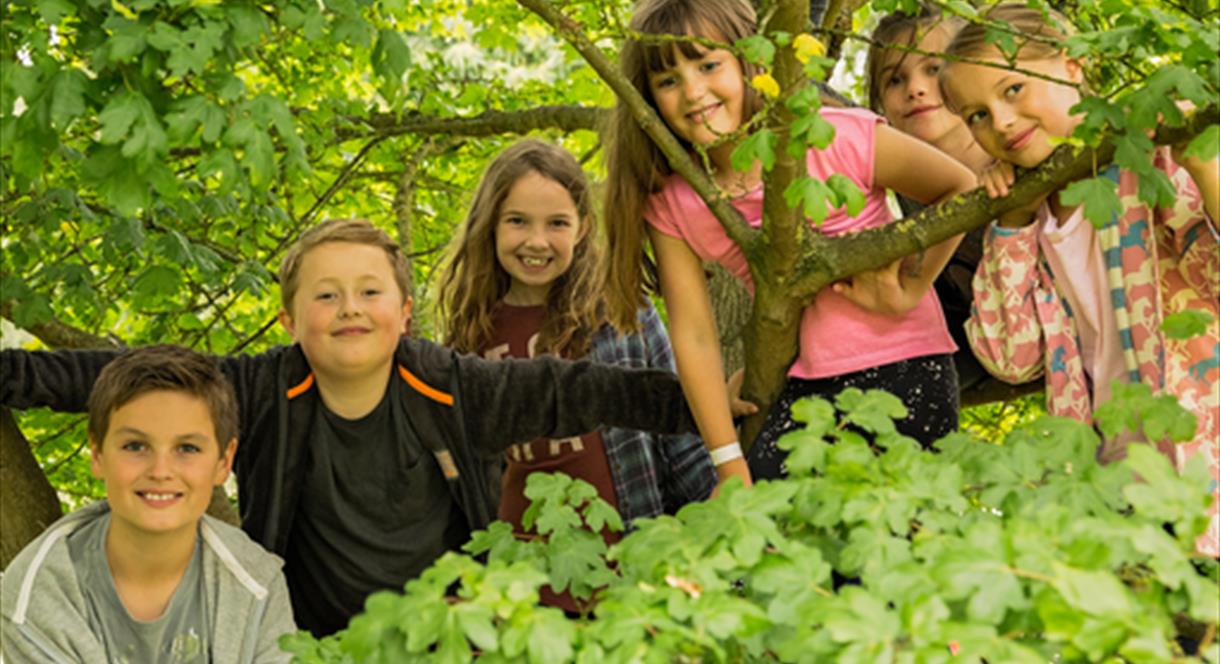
(95, 461)
(1075, 70)
(226, 463)
(287, 324)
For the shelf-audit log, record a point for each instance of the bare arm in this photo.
(696, 345)
(923, 173)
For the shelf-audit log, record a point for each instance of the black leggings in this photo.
(926, 385)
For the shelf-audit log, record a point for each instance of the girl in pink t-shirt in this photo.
(883, 329)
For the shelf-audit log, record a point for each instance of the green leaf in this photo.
(849, 194)
(811, 195)
(391, 57)
(156, 281)
(118, 116)
(809, 131)
(54, 10)
(67, 97)
(1186, 324)
(1099, 195)
(1092, 592)
(757, 49)
(1206, 145)
(551, 638)
(476, 623)
(758, 146)
(127, 41)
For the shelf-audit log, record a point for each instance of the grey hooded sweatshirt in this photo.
(43, 616)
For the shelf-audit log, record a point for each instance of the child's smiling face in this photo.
(347, 313)
(909, 85)
(1013, 115)
(700, 98)
(537, 230)
(160, 460)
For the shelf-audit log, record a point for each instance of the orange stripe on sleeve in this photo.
(424, 388)
(298, 390)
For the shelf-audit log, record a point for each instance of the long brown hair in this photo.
(636, 168)
(474, 282)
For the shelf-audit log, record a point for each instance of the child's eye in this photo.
(934, 68)
(189, 448)
(561, 222)
(708, 66)
(1014, 89)
(975, 117)
(514, 220)
(133, 446)
(664, 82)
(370, 292)
(894, 80)
(325, 296)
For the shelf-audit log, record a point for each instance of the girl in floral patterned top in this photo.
(1081, 305)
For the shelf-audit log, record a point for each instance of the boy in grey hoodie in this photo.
(146, 576)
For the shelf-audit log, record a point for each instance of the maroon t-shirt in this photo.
(515, 332)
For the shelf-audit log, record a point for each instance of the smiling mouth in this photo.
(159, 498)
(349, 331)
(701, 115)
(534, 261)
(921, 110)
(1020, 141)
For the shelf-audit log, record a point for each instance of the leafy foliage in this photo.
(1027, 551)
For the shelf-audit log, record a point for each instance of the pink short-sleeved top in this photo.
(837, 337)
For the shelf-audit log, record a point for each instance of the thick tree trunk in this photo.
(731, 302)
(28, 503)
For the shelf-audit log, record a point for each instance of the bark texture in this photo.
(28, 503)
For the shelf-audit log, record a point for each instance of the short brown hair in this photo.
(355, 231)
(163, 367)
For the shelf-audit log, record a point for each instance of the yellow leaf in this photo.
(808, 46)
(765, 84)
(124, 10)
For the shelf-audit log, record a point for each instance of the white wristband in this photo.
(725, 453)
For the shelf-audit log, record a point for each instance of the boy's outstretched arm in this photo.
(60, 380)
(510, 401)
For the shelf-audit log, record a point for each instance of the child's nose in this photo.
(348, 306)
(161, 467)
(1002, 115)
(693, 89)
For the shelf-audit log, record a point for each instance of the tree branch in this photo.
(837, 257)
(57, 334)
(490, 123)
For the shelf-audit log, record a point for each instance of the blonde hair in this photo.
(355, 231)
(474, 282)
(907, 30)
(1038, 34)
(636, 167)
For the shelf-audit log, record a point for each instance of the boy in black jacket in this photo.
(366, 454)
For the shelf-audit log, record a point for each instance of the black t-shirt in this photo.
(375, 511)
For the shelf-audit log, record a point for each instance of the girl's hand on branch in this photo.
(996, 180)
(738, 406)
(890, 291)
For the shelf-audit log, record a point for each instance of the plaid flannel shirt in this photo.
(652, 474)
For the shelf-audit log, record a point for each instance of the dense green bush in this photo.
(1028, 551)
